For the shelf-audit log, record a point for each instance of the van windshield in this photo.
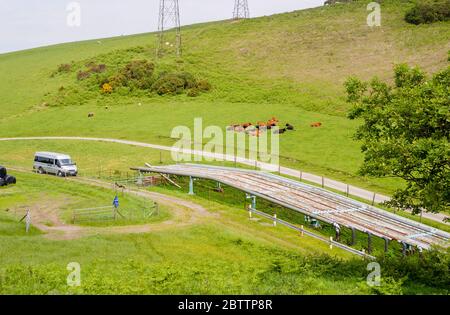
(66, 162)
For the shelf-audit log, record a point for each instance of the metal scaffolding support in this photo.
(253, 200)
(353, 236)
(169, 20)
(191, 185)
(369, 243)
(386, 244)
(316, 203)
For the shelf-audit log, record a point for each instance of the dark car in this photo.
(6, 179)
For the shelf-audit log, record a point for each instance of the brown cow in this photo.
(280, 131)
(316, 124)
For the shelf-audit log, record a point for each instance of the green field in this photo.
(227, 253)
(291, 66)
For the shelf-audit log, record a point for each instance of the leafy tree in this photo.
(405, 133)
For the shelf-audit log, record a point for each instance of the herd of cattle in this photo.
(6, 179)
(261, 126)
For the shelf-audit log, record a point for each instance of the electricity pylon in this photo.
(169, 19)
(241, 10)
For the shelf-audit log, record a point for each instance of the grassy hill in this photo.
(225, 253)
(289, 65)
(221, 251)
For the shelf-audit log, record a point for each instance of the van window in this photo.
(66, 162)
(58, 163)
(41, 159)
(44, 160)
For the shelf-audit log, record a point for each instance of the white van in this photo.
(54, 163)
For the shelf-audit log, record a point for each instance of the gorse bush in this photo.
(91, 68)
(137, 73)
(107, 88)
(65, 67)
(124, 73)
(194, 92)
(203, 85)
(81, 75)
(169, 84)
(428, 12)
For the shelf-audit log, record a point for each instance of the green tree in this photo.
(405, 133)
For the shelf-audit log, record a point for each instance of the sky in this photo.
(33, 23)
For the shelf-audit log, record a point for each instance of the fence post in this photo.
(301, 175)
(301, 232)
(275, 220)
(331, 242)
(348, 189)
(373, 199)
(323, 182)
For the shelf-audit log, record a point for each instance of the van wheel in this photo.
(60, 174)
(40, 170)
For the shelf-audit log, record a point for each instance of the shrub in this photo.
(81, 75)
(107, 88)
(138, 69)
(389, 286)
(189, 80)
(64, 67)
(203, 85)
(169, 84)
(175, 83)
(97, 68)
(428, 12)
(194, 92)
(117, 80)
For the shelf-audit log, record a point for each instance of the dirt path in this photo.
(45, 216)
(358, 192)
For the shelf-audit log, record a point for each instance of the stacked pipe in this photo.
(6, 179)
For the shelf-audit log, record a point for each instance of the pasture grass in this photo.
(290, 65)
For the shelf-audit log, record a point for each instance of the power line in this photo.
(241, 10)
(169, 20)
